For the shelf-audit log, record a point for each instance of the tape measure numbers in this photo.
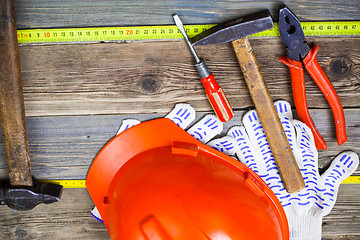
(105, 34)
(81, 183)
(345, 28)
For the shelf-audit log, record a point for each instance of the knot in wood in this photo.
(20, 233)
(340, 66)
(150, 85)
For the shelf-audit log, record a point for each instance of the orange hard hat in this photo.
(155, 181)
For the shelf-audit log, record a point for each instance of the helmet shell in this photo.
(155, 181)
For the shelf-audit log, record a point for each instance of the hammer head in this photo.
(26, 198)
(235, 29)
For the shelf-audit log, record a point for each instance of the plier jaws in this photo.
(299, 55)
(292, 35)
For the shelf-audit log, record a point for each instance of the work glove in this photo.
(306, 208)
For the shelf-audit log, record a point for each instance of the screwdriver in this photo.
(214, 92)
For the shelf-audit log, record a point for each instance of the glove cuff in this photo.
(304, 226)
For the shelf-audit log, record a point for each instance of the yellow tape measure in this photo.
(352, 180)
(67, 183)
(81, 183)
(345, 28)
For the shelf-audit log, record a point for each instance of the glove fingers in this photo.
(127, 123)
(260, 143)
(245, 150)
(341, 168)
(283, 109)
(309, 164)
(306, 149)
(207, 128)
(225, 145)
(316, 193)
(182, 114)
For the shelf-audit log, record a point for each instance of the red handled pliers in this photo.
(298, 55)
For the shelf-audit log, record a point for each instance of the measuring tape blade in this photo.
(352, 180)
(133, 33)
(67, 183)
(105, 34)
(81, 183)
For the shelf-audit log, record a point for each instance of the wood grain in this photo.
(150, 77)
(70, 218)
(72, 13)
(77, 94)
(343, 221)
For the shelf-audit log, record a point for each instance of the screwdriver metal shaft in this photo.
(180, 25)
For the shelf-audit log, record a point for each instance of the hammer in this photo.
(22, 192)
(236, 32)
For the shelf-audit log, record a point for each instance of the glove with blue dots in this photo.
(306, 208)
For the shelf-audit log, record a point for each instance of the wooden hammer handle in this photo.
(280, 147)
(12, 111)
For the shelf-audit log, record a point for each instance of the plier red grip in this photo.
(299, 55)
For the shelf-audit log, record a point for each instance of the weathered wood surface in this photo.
(70, 219)
(150, 77)
(64, 147)
(71, 13)
(77, 94)
(64, 84)
(64, 140)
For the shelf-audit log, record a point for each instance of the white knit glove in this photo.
(306, 208)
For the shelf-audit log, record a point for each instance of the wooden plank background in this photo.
(77, 94)
(70, 13)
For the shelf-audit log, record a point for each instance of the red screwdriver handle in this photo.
(317, 73)
(298, 86)
(217, 98)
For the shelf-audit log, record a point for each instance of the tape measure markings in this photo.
(105, 34)
(67, 183)
(346, 28)
(81, 183)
